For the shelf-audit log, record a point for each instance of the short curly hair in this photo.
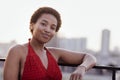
(37, 14)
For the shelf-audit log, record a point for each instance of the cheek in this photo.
(36, 32)
(53, 33)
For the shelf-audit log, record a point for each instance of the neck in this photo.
(37, 45)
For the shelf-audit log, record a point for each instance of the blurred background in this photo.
(90, 26)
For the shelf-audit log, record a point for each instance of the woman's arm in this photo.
(85, 61)
(11, 66)
(72, 57)
(88, 62)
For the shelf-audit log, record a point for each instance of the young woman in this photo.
(33, 61)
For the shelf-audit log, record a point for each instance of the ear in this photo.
(31, 26)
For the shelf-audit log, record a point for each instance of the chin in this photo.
(45, 41)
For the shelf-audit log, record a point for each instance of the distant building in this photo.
(75, 44)
(105, 43)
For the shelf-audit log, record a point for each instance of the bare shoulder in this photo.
(52, 49)
(12, 62)
(16, 51)
(55, 52)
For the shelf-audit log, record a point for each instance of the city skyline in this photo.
(78, 44)
(79, 19)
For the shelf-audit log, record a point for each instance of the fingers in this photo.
(75, 77)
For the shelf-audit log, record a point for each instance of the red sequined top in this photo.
(34, 69)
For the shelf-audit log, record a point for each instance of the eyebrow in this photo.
(47, 22)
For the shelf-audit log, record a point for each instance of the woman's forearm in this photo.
(88, 61)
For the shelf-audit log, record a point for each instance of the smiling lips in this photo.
(46, 36)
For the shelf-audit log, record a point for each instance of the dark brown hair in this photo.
(37, 14)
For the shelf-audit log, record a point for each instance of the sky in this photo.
(80, 18)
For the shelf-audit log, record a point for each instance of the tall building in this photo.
(105, 43)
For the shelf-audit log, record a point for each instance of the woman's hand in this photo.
(78, 73)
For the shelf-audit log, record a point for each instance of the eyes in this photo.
(45, 24)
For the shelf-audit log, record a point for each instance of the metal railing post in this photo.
(114, 75)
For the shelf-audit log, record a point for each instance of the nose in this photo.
(47, 29)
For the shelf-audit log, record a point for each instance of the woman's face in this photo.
(45, 28)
